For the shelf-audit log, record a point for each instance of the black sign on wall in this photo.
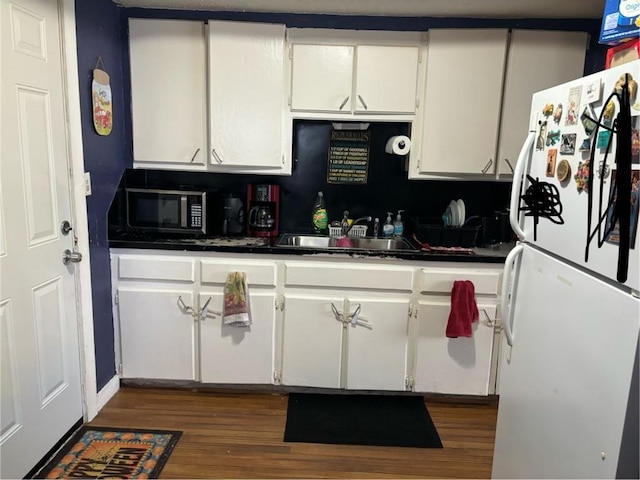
(349, 157)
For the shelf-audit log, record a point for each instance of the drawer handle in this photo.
(194, 155)
(344, 102)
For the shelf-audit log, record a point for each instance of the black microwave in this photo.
(168, 211)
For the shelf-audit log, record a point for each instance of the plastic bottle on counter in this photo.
(320, 217)
(387, 228)
(398, 226)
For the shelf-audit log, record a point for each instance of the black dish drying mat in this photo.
(350, 419)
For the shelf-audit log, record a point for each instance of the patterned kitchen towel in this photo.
(236, 300)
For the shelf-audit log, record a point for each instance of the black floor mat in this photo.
(385, 420)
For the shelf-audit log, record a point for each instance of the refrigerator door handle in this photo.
(505, 299)
(518, 178)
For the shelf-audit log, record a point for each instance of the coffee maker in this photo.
(263, 210)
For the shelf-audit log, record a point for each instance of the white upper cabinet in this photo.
(246, 97)
(463, 93)
(537, 60)
(168, 93)
(349, 73)
(386, 79)
(322, 77)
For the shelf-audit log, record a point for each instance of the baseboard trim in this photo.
(108, 391)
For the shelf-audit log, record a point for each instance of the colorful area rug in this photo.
(102, 452)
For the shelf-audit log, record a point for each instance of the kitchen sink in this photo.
(357, 243)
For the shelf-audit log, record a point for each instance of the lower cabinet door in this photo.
(157, 337)
(452, 365)
(312, 341)
(377, 356)
(236, 354)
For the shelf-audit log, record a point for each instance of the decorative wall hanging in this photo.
(348, 161)
(101, 100)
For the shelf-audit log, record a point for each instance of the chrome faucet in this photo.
(344, 224)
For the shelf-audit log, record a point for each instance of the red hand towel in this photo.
(464, 310)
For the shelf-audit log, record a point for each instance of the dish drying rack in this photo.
(356, 231)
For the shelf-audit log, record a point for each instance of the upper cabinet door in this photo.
(386, 79)
(462, 100)
(537, 60)
(321, 78)
(168, 92)
(246, 94)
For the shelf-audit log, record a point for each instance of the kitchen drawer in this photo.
(145, 267)
(439, 280)
(310, 274)
(258, 273)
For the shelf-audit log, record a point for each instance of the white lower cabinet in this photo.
(377, 356)
(302, 332)
(319, 350)
(453, 365)
(232, 354)
(157, 337)
(312, 341)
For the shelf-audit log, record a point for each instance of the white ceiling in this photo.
(410, 8)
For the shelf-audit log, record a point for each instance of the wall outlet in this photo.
(87, 184)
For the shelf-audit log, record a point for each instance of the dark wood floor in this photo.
(239, 435)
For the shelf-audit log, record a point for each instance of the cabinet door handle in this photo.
(216, 156)
(336, 313)
(362, 102)
(487, 166)
(204, 311)
(490, 322)
(194, 155)
(356, 319)
(344, 102)
(184, 307)
(509, 164)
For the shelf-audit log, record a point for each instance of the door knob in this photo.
(69, 256)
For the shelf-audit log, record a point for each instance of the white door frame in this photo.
(84, 301)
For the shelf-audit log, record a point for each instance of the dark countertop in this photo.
(266, 246)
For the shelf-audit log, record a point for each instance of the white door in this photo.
(452, 365)
(377, 356)
(321, 78)
(158, 336)
(462, 100)
(537, 60)
(563, 394)
(232, 354)
(312, 342)
(246, 94)
(168, 92)
(40, 383)
(386, 79)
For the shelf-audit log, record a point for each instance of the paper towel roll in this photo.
(398, 145)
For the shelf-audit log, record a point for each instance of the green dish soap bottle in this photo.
(320, 218)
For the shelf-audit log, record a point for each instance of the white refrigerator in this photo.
(568, 384)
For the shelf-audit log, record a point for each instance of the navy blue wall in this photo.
(99, 33)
